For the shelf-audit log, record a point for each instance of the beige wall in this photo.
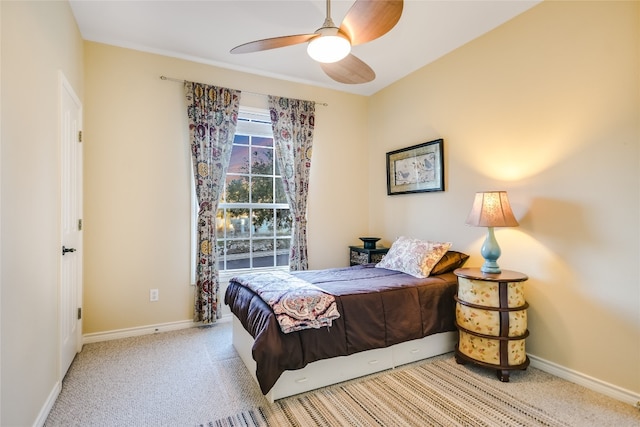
(38, 40)
(546, 107)
(137, 181)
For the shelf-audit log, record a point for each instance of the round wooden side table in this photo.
(491, 317)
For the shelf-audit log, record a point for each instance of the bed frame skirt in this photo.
(338, 369)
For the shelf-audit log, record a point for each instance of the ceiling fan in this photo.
(331, 46)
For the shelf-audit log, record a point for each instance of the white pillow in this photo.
(414, 256)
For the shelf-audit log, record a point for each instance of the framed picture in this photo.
(416, 169)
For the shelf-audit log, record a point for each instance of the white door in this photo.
(71, 217)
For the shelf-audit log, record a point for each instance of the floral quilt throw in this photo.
(296, 303)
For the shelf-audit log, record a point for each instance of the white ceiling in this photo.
(205, 30)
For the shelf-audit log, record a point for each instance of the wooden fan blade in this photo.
(349, 70)
(272, 43)
(369, 19)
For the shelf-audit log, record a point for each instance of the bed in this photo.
(387, 318)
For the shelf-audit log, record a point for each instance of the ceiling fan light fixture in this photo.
(329, 47)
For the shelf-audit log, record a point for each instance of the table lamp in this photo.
(491, 209)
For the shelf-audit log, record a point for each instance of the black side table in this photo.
(360, 255)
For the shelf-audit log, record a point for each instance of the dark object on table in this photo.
(369, 242)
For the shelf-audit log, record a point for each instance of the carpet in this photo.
(438, 393)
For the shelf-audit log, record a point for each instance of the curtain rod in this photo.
(171, 79)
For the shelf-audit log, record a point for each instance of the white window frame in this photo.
(245, 128)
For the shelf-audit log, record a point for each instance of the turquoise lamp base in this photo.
(490, 252)
(490, 267)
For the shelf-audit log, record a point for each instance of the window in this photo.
(253, 221)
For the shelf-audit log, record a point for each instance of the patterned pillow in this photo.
(449, 262)
(413, 256)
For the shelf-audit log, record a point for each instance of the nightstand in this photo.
(491, 317)
(361, 255)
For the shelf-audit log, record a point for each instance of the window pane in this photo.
(262, 141)
(281, 197)
(262, 222)
(237, 190)
(222, 223)
(262, 161)
(238, 254)
(262, 189)
(239, 162)
(241, 139)
(239, 223)
(220, 254)
(283, 222)
(282, 251)
(263, 253)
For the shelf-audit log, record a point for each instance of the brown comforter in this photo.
(378, 308)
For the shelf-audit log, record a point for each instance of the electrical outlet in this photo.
(154, 295)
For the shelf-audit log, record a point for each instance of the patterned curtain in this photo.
(213, 115)
(293, 122)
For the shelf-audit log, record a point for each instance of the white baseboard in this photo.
(144, 330)
(48, 405)
(138, 331)
(591, 383)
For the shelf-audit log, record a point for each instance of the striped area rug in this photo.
(439, 393)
